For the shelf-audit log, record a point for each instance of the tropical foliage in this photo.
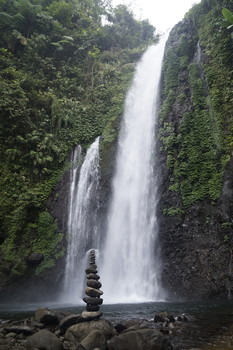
(196, 126)
(65, 66)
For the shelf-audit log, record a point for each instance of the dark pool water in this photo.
(209, 326)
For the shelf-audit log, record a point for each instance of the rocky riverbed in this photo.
(59, 330)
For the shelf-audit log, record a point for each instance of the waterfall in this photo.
(82, 219)
(130, 270)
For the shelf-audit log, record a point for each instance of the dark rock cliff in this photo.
(196, 186)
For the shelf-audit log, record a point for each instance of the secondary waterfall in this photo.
(82, 219)
(130, 271)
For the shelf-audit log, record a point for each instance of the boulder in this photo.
(78, 332)
(68, 321)
(34, 259)
(93, 301)
(94, 284)
(92, 292)
(146, 339)
(95, 339)
(45, 316)
(43, 339)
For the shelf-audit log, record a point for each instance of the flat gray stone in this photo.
(91, 315)
(68, 321)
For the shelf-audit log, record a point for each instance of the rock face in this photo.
(196, 192)
(35, 259)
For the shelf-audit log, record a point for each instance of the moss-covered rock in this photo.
(195, 139)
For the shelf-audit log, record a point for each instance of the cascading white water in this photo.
(130, 271)
(82, 220)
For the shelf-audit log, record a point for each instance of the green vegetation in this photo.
(196, 124)
(228, 22)
(63, 79)
(173, 211)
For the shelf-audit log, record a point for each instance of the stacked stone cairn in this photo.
(93, 292)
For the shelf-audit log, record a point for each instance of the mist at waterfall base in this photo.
(130, 268)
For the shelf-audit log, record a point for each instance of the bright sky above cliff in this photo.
(163, 14)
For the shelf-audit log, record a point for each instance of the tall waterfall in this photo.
(130, 271)
(82, 219)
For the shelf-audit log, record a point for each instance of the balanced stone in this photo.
(92, 292)
(89, 316)
(92, 276)
(92, 308)
(93, 301)
(91, 269)
(94, 284)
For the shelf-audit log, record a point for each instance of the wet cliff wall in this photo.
(195, 139)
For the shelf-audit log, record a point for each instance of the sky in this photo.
(163, 14)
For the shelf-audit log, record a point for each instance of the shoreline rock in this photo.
(79, 332)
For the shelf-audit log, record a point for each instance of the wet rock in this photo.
(120, 327)
(19, 329)
(45, 316)
(11, 335)
(92, 292)
(43, 339)
(91, 315)
(94, 339)
(163, 317)
(132, 324)
(94, 284)
(92, 308)
(69, 346)
(182, 318)
(146, 339)
(68, 321)
(92, 276)
(91, 269)
(78, 332)
(93, 301)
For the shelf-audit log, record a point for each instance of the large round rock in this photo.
(146, 339)
(78, 332)
(43, 339)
